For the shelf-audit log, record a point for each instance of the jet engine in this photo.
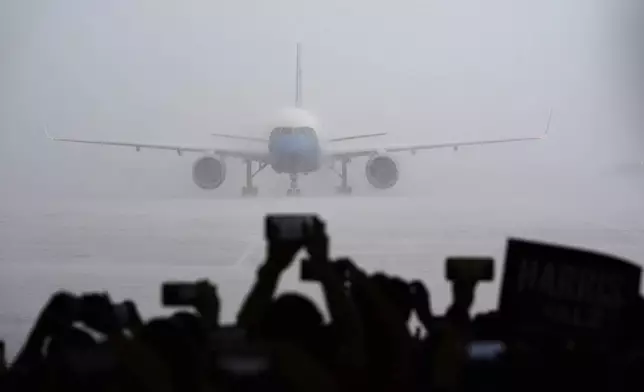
(382, 172)
(209, 172)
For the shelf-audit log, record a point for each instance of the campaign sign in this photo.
(566, 292)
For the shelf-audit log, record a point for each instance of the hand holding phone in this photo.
(471, 269)
(291, 228)
(178, 293)
(286, 234)
(97, 311)
(201, 295)
(207, 302)
(316, 241)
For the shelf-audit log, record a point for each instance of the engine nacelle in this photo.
(382, 172)
(209, 172)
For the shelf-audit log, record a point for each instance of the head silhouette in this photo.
(291, 317)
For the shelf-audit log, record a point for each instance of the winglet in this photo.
(46, 130)
(547, 131)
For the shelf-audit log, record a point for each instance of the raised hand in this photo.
(207, 302)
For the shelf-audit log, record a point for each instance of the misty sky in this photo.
(426, 71)
(166, 71)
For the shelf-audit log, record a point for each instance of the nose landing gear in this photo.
(294, 190)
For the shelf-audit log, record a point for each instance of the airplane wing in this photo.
(357, 152)
(237, 137)
(341, 139)
(260, 155)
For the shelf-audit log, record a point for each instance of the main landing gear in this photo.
(294, 190)
(344, 187)
(249, 189)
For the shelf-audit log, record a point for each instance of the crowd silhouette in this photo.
(283, 343)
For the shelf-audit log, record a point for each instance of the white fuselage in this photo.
(296, 144)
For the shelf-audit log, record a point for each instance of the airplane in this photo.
(295, 145)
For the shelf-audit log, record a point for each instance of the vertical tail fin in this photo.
(298, 77)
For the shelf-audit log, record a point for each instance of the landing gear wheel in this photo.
(344, 190)
(293, 190)
(250, 191)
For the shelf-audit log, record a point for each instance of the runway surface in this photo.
(129, 247)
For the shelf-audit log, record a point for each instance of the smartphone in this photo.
(477, 269)
(308, 274)
(178, 293)
(288, 227)
(485, 350)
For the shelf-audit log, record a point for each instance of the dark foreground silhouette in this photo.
(567, 319)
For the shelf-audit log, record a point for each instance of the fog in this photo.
(424, 72)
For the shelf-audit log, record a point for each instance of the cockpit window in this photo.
(307, 131)
(278, 131)
(304, 131)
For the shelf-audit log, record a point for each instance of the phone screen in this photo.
(485, 350)
(470, 268)
(287, 227)
(291, 229)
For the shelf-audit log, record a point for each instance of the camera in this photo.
(308, 273)
(178, 293)
(298, 229)
(289, 227)
(471, 269)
